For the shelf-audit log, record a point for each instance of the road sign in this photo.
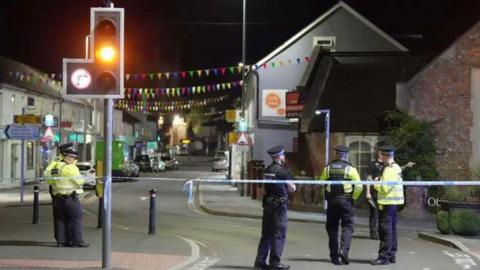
(22, 132)
(243, 139)
(27, 119)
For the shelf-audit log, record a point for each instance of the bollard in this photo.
(100, 213)
(35, 204)
(153, 212)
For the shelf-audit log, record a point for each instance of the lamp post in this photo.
(327, 145)
(244, 85)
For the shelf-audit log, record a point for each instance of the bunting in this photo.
(156, 93)
(165, 106)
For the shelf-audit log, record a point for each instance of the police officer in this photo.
(340, 204)
(48, 173)
(373, 173)
(66, 187)
(388, 197)
(274, 221)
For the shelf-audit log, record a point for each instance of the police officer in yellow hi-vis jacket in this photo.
(48, 176)
(388, 197)
(340, 204)
(66, 186)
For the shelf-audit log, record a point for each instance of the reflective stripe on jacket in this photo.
(342, 171)
(390, 194)
(47, 174)
(69, 179)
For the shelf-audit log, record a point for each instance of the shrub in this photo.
(415, 141)
(465, 222)
(442, 222)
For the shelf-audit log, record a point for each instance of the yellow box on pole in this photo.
(100, 175)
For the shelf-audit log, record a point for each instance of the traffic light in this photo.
(101, 75)
(107, 43)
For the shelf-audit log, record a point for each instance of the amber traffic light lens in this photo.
(106, 54)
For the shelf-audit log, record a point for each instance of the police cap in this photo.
(64, 147)
(70, 153)
(387, 150)
(276, 151)
(342, 149)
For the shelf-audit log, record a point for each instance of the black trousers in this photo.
(54, 214)
(373, 218)
(274, 232)
(68, 220)
(387, 231)
(339, 211)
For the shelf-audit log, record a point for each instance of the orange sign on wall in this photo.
(273, 104)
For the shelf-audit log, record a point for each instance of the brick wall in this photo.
(441, 92)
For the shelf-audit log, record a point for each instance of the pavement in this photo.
(24, 245)
(225, 200)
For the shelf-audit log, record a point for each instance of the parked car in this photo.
(170, 162)
(143, 161)
(88, 172)
(157, 165)
(182, 150)
(130, 169)
(220, 162)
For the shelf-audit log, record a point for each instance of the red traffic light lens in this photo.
(105, 29)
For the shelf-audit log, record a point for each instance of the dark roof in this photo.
(358, 88)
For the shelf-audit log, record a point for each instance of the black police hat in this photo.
(387, 150)
(70, 153)
(342, 149)
(276, 151)
(64, 147)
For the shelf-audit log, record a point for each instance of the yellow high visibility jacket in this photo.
(69, 179)
(390, 194)
(342, 171)
(47, 174)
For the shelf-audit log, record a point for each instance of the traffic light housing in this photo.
(101, 75)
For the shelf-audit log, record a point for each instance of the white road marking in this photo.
(143, 198)
(461, 259)
(195, 254)
(411, 252)
(204, 264)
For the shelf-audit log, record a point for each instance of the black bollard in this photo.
(35, 204)
(152, 226)
(100, 213)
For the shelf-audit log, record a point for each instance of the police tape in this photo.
(188, 186)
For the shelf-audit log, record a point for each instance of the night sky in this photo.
(168, 35)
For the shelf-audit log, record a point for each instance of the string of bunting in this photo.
(155, 93)
(207, 114)
(36, 79)
(55, 80)
(165, 106)
(231, 70)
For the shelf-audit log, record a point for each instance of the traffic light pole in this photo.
(107, 182)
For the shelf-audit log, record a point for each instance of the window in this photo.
(361, 152)
(30, 101)
(326, 42)
(30, 152)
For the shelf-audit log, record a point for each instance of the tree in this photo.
(415, 141)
